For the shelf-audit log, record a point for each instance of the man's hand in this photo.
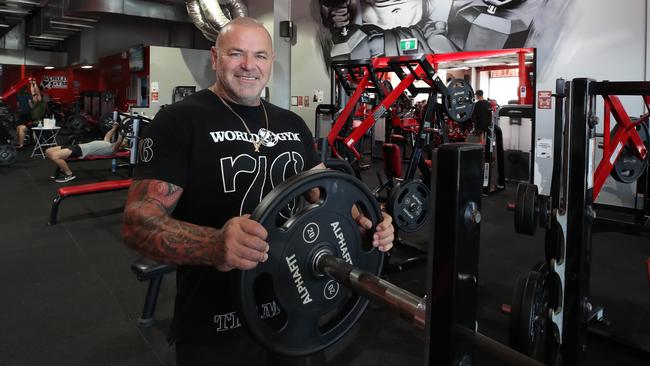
(241, 245)
(384, 232)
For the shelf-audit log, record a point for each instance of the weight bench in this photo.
(146, 270)
(84, 189)
(120, 154)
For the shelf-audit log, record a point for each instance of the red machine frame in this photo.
(14, 88)
(363, 76)
(613, 146)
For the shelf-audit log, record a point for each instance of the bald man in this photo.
(197, 181)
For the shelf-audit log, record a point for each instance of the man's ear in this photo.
(214, 54)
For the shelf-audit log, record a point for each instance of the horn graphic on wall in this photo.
(209, 16)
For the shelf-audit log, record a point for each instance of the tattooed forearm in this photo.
(149, 229)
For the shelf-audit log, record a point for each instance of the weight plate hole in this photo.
(302, 203)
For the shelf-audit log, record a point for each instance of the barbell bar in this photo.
(312, 251)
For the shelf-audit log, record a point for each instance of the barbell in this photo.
(322, 270)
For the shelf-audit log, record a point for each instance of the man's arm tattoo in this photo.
(149, 229)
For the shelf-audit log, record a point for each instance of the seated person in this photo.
(58, 154)
(37, 112)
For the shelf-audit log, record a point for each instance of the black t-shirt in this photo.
(482, 115)
(201, 146)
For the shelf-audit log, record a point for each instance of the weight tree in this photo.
(563, 310)
(321, 270)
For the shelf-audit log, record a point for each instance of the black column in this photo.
(456, 181)
(580, 214)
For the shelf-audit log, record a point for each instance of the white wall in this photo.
(171, 67)
(308, 69)
(602, 42)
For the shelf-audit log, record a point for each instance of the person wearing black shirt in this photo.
(482, 115)
(204, 164)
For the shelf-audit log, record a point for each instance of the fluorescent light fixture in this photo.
(29, 2)
(48, 67)
(87, 66)
(14, 11)
(66, 28)
(58, 22)
(89, 20)
(45, 36)
(474, 61)
(458, 68)
(2, 25)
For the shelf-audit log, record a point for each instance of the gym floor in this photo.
(70, 298)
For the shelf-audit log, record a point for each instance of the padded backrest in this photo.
(392, 160)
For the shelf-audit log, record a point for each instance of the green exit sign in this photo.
(408, 44)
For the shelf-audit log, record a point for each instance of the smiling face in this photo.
(388, 14)
(242, 60)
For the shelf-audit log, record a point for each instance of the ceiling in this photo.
(487, 61)
(48, 23)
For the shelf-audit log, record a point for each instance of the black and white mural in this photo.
(355, 29)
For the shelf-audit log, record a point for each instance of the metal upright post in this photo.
(135, 140)
(457, 177)
(579, 218)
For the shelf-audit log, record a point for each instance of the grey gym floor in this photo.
(69, 297)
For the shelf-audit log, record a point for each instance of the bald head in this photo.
(238, 23)
(242, 58)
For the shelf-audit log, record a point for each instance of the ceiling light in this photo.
(90, 20)
(48, 67)
(2, 25)
(14, 11)
(29, 2)
(476, 60)
(87, 66)
(70, 24)
(45, 36)
(66, 28)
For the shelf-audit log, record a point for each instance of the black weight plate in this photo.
(529, 337)
(317, 310)
(628, 167)
(340, 165)
(76, 123)
(530, 213)
(459, 101)
(525, 213)
(106, 122)
(515, 312)
(519, 207)
(126, 128)
(408, 204)
(7, 155)
(544, 214)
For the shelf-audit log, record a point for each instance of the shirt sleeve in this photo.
(164, 150)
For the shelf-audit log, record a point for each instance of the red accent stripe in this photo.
(95, 187)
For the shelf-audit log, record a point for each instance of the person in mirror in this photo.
(204, 165)
(482, 115)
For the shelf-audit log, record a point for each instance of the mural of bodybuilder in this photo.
(355, 29)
